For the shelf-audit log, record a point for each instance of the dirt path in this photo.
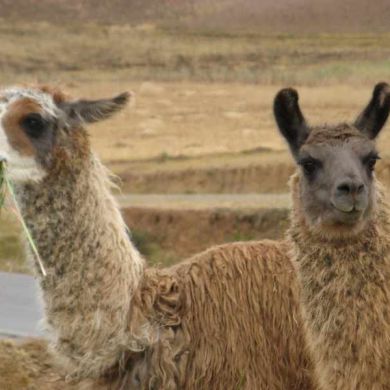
(206, 201)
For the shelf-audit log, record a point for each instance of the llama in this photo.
(205, 323)
(243, 315)
(340, 235)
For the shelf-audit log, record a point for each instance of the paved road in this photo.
(20, 310)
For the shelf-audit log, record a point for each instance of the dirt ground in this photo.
(168, 233)
(191, 137)
(173, 150)
(167, 236)
(181, 120)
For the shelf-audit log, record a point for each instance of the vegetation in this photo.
(84, 52)
(11, 251)
(150, 247)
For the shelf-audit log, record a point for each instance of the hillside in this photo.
(300, 16)
(287, 16)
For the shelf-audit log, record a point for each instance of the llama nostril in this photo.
(350, 188)
(344, 189)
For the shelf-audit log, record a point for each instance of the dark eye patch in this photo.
(310, 166)
(34, 125)
(370, 160)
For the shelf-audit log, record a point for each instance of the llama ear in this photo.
(374, 116)
(290, 119)
(90, 111)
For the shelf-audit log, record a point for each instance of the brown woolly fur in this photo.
(331, 135)
(340, 244)
(214, 325)
(345, 300)
(310, 312)
(17, 138)
(219, 327)
(222, 319)
(57, 94)
(89, 284)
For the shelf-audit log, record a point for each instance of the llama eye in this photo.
(370, 162)
(309, 166)
(34, 125)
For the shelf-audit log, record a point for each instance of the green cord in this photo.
(4, 179)
(2, 188)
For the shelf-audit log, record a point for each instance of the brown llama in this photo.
(340, 236)
(207, 323)
(231, 316)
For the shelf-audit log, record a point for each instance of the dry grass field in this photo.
(230, 16)
(196, 93)
(202, 120)
(92, 52)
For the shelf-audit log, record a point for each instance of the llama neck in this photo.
(345, 300)
(92, 267)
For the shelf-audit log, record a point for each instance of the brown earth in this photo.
(31, 357)
(168, 236)
(253, 178)
(249, 179)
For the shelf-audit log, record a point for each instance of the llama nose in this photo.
(349, 187)
(350, 195)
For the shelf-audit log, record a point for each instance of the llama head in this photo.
(40, 128)
(335, 186)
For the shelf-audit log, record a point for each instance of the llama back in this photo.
(236, 301)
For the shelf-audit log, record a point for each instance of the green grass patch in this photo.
(240, 236)
(12, 258)
(150, 247)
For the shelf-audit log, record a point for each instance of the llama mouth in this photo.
(352, 212)
(351, 217)
(348, 209)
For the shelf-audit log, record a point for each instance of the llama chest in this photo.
(347, 318)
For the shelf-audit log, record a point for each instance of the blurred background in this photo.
(198, 153)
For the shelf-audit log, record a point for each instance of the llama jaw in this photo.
(21, 168)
